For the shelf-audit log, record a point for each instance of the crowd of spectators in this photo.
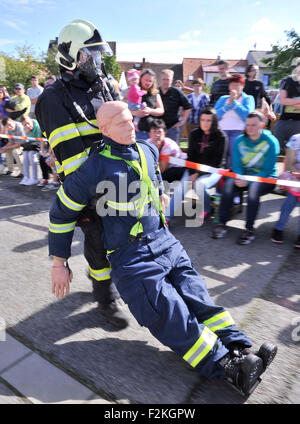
(24, 157)
(232, 127)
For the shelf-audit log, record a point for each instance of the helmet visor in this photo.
(89, 60)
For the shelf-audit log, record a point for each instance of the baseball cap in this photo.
(18, 85)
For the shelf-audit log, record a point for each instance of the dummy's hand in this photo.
(61, 278)
(241, 183)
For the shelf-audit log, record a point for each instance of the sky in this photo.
(158, 30)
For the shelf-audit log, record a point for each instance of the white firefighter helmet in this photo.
(78, 35)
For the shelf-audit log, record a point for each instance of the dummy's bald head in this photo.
(115, 121)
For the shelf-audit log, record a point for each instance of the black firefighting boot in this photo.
(266, 352)
(109, 305)
(242, 370)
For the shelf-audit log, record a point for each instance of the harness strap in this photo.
(147, 188)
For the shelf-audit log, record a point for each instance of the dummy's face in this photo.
(121, 128)
(157, 136)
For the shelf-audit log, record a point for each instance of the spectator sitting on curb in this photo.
(206, 146)
(291, 172)
(254, 153)
(15, 128)
(168, 147)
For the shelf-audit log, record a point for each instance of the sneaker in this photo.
(297, 242)
(243, 371)
(246, 237)
(24, 181)
(7, 172)
(277, 236)
(18, 175)
(219, 231)
(31, 181)
(51, 186)
(42, 183)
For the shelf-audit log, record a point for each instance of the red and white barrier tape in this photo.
(20, 137)
(224, 172)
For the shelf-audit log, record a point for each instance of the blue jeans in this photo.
(255, 190)
(174, 134)
(231, 135)
(205, 182)
(286, 209)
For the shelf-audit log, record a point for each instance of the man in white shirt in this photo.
(33, 93)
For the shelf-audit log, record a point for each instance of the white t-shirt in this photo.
(231, 120)
(32, 93)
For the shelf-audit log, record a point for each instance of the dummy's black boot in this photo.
(105, 293)
(266, 352)
(242, 371)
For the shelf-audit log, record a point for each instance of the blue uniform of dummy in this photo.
(151, 269)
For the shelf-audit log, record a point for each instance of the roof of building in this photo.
(258, 55)
(197, 66)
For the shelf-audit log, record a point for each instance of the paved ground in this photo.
(50, 344)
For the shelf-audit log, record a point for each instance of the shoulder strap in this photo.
(147, 188)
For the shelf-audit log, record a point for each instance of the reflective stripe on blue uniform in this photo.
(164, 292)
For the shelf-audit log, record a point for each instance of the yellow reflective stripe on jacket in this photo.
(201, 348)
(64, 133)
(58, 167)
(71, 164)
(68, 202)
(85, 129)
(61, 228)
(100, 274)
(219, 321)
(129, 206)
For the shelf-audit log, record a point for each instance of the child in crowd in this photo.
(292, 172)
(135, 94)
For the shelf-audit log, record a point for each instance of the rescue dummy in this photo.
(151, 270)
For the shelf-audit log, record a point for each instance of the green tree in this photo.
(112, 67)
(20, 67)
(282, 61)
(50, 62)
